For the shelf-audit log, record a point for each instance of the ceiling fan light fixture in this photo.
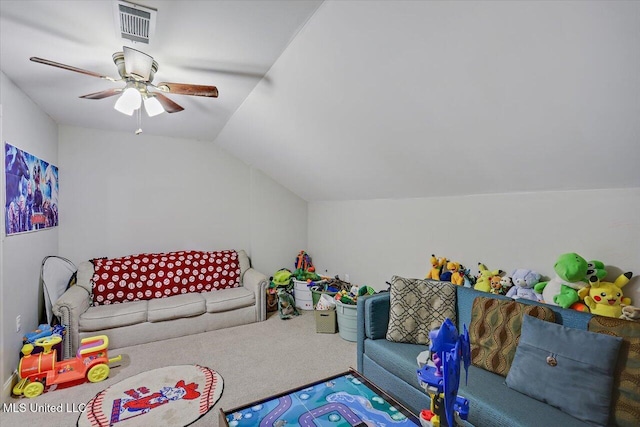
(152, 106)
(129, 101)
(137, 63)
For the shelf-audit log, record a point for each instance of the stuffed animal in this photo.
(523, 283)
(506, 282)
(451, 268)
(496, 285)
(457, 278)
(605, 298)
(630, 312)
(436, 267)
(484, 278)
(469, 280)
(571, 272)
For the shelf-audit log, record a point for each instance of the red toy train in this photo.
(41, 370)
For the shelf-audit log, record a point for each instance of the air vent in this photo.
(136, 23)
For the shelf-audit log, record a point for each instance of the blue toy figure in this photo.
(442, 378)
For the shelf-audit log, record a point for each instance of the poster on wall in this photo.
(31, 193)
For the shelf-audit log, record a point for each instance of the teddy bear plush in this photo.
(523, 283)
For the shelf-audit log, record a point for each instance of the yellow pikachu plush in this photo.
(605, 298)
(484, 279)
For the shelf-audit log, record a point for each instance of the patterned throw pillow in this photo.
(495, 331)
(417, 307)
(625, 410)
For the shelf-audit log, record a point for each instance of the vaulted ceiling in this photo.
(363, 100)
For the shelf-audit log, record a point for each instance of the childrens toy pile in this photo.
(578, 284)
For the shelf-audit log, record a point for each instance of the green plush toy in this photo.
(281, 279)
(572, 274)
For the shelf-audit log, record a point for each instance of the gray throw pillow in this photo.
(417, 307)
(568, 368)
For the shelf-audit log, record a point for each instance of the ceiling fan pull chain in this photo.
(139, 131)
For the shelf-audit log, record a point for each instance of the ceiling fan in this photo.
(137, 70)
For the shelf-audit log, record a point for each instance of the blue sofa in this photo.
(392, 366)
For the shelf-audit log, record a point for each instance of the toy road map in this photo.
(340, 401)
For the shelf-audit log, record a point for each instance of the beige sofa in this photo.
(139, 322)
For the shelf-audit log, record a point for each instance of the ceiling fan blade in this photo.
(102, 94)
(70, 68)
(187, 89)
(168, 105)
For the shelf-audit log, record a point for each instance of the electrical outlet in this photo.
(18, 323)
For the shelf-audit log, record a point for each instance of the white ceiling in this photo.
(366, 100)
(228, 44)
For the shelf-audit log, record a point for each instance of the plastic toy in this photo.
(436, 267)
(571, 272)
(605, 298)
(303, 261)
(441, 378)
(42, 370)
(484, 279)
(43, 330)
(523, 283)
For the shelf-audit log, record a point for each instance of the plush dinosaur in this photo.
(571, 272)
(484, 279)
(436, 267)
(605, 298)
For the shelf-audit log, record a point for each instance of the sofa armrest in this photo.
(257, 282)
(75, 301)
(373, 320)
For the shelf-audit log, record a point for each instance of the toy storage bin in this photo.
(347, 321)
(326, 321)
(315, 295)
(302, 295)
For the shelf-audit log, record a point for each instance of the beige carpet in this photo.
(254, 360)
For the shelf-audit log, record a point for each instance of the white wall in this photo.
(278, 223)
(373, 240)
(123, 194)
(25, 126)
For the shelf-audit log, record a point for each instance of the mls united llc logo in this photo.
(43, 407)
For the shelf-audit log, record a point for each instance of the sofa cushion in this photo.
(228, 299)
(495, 330)
(175, 307)
(417, 307)
(492, 403)
(625, 410)
(397, 358)
(158, 275)
(567, 368)
(113, 316)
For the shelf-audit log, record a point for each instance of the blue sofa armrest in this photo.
(373, 320)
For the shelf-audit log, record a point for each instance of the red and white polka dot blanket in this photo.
(160, 275)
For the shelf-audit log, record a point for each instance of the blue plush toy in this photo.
(523, 282)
